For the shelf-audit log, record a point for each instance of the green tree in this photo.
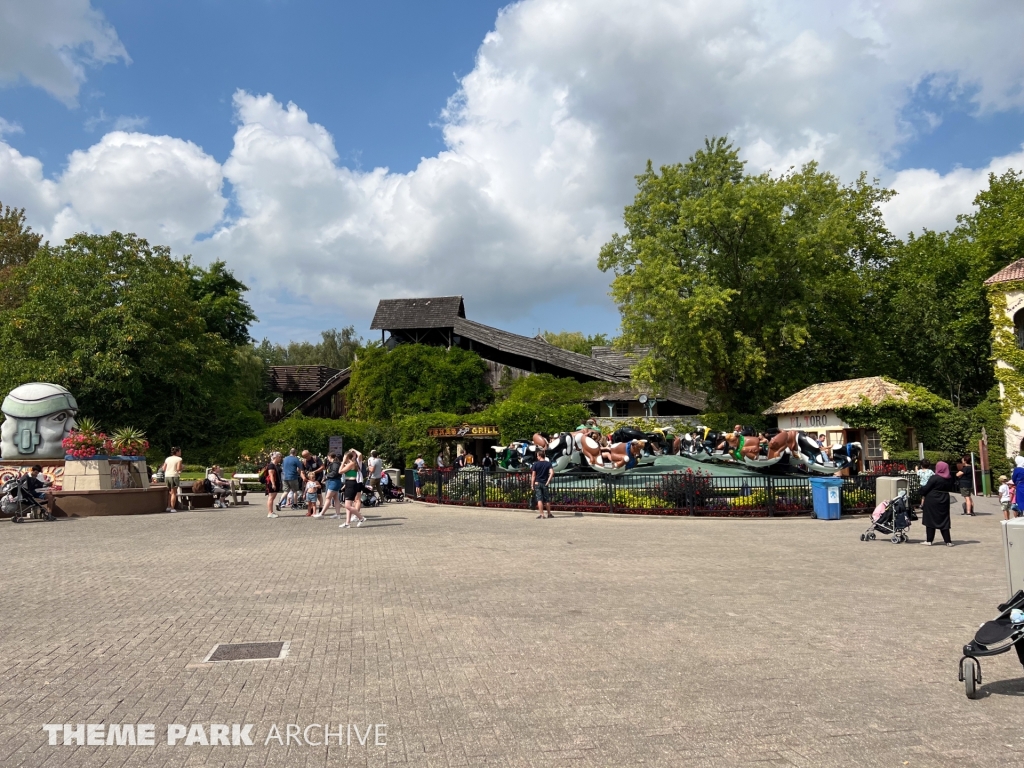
(575, 341)
(548, 390)
(415, 378)
(336, 349)
(221, 302)
(997, 226)
(18, 243)
(748, 287)
(936, 330)
(123, 326)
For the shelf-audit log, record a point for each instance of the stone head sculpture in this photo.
(37, 417)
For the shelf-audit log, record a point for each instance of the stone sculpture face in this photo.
(37, 417)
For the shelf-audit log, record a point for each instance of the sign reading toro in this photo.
(466, 430)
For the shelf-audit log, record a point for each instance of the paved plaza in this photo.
(486, 637)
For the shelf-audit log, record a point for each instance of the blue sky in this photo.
(251, 131)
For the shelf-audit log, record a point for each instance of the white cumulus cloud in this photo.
(565, 103)
(50, 43)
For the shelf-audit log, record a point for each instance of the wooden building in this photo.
(442, 321)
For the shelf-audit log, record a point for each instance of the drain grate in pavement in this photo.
(247, 651)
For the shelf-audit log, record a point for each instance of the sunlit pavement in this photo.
(487, 637)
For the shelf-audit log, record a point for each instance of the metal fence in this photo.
(673, 493)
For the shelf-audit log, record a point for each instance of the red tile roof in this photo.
(838, 394)
(1010, 272)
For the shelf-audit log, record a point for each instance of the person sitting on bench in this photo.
(219, 486)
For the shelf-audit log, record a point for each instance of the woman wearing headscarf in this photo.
(1017, 481)
(935, 503)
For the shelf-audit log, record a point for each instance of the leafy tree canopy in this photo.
(574, 341)
(336, 349)
(124, 327)
(545, 389)
(748, 287)
(18, 243)
(415, 378)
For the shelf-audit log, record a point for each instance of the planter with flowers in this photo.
(130, 443)
(86, 442)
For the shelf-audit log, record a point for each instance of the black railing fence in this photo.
(673, 493)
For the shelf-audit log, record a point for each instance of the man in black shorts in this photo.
(540, 475)
(965, 477)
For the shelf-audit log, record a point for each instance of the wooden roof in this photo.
(332, 385)
(513, 343)
(400, 314)
(299, 378)
(838, 394)
(1010, 272)
(622, 361)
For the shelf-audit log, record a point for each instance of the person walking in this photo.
(540, 475)
(332, 483)
(291, 469)
(1004, 497)
(375, 466)
(272, 482)
(350, 470)
(935, 503)
(965, 479)
(172, 477)
(312, 469)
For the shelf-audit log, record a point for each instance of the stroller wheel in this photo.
(863, 537)
(871, 536)
(971, 680)
(895, 539)
(15, 519)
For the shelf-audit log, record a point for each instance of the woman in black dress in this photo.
(935, 503)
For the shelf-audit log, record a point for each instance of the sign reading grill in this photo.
(247, 652)
(466, 430)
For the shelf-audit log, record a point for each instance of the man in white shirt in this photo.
(374, 467)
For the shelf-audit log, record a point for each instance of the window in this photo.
(622, 409)
(834, 437)
(872, 445)
(1018, 328)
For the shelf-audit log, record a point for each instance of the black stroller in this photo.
(20, 505)
(390, 493)
(891, 518)
(991, 639)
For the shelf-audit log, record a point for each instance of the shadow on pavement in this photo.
(1013, 687)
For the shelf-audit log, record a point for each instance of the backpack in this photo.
(262, 476)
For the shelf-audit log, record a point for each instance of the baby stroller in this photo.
(991, 639)
(891, 518)
(369, 498)
(20, 505)
(390, 493)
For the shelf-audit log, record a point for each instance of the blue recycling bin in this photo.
(826, 493)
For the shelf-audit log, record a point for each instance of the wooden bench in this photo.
(196, 500)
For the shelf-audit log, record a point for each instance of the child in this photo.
(924, 472)
(1004, 496)
(312, 495)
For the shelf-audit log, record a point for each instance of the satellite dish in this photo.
(642, 399)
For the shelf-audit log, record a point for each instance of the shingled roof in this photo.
(838, 394)
(434, 312)
(534, 349)
(1010, 272)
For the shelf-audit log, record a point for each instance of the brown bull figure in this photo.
(743, 446)
(786, 439)
(614, 456)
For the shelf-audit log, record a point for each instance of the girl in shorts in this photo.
(332, 482)
(350, 470)
(312, 496)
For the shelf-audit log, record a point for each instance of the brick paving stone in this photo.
(486, 637)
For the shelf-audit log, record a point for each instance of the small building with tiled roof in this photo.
(814, 410)
(1006, 298)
